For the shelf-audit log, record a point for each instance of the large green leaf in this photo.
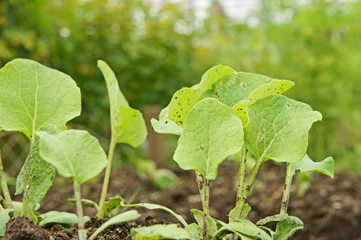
(165, 125)
(33, 96)
(156, 232)
(230, 89)
(274, 87)
(211, 134)
(74, 153)
(306, 164)
(184, 99)
(35, 178)
(127, 124)
(243, 227)
(278, 128)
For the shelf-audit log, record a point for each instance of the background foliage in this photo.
(156, 50)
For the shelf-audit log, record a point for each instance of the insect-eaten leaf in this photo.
(211, 134)
(306, 164)
(230, 89)
(156, 232)
(33, 96)
(165, 125)
(274, 87)
(127, 124)
(184, 99)
(34, 179)
(74, 153)
(278, 128)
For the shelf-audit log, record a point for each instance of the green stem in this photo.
(287, 190)
(203, 186)
(106, 178)
(241, 181)
(4, 186)
(250, 182)
(79, 211)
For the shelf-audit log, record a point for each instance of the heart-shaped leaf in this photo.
(278, 128)
(306, 164)
(74, 153)
(127, 124)
(211, 134)
(33, 96)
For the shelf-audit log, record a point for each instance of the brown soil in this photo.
(330, 209)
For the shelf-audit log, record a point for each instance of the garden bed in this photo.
(330, 209)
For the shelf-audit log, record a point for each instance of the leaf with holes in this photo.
(127, 124)
(33, 96)
(74, 153)
(211, 134)
(278, 128)
(230, 89)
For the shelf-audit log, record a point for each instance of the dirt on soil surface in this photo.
(330, 208)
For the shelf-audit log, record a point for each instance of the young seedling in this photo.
(275, 127)
(75, 154)
(127, 125)
(34, 97)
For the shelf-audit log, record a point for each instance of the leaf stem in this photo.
(203, 186)
(241, 181)
(106, 177)
(4, 186)
(250, 182)
(287, 190)
(79, 211)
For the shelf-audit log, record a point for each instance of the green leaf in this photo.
(287, 228)
(35, 177)
(245, 210)
(184, 99)
(123, 217)
(74, 153)
(63, 218)
(230, 89)
(33, 96)
(127, 124)
(211, 134)
(213, 75)
(278, 128)
(112, 204)
(156, 232)
(181, 103)
(243, 227)
(194, 231)
(84, 202)
(274, 87)
(164, 178)
(212, 225)
(306, 164)
(152, 206)
(165, 125)
(4, 218)
(274, 218)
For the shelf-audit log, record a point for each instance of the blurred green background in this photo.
(155, 49)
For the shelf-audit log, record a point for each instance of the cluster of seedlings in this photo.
(227, 113)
